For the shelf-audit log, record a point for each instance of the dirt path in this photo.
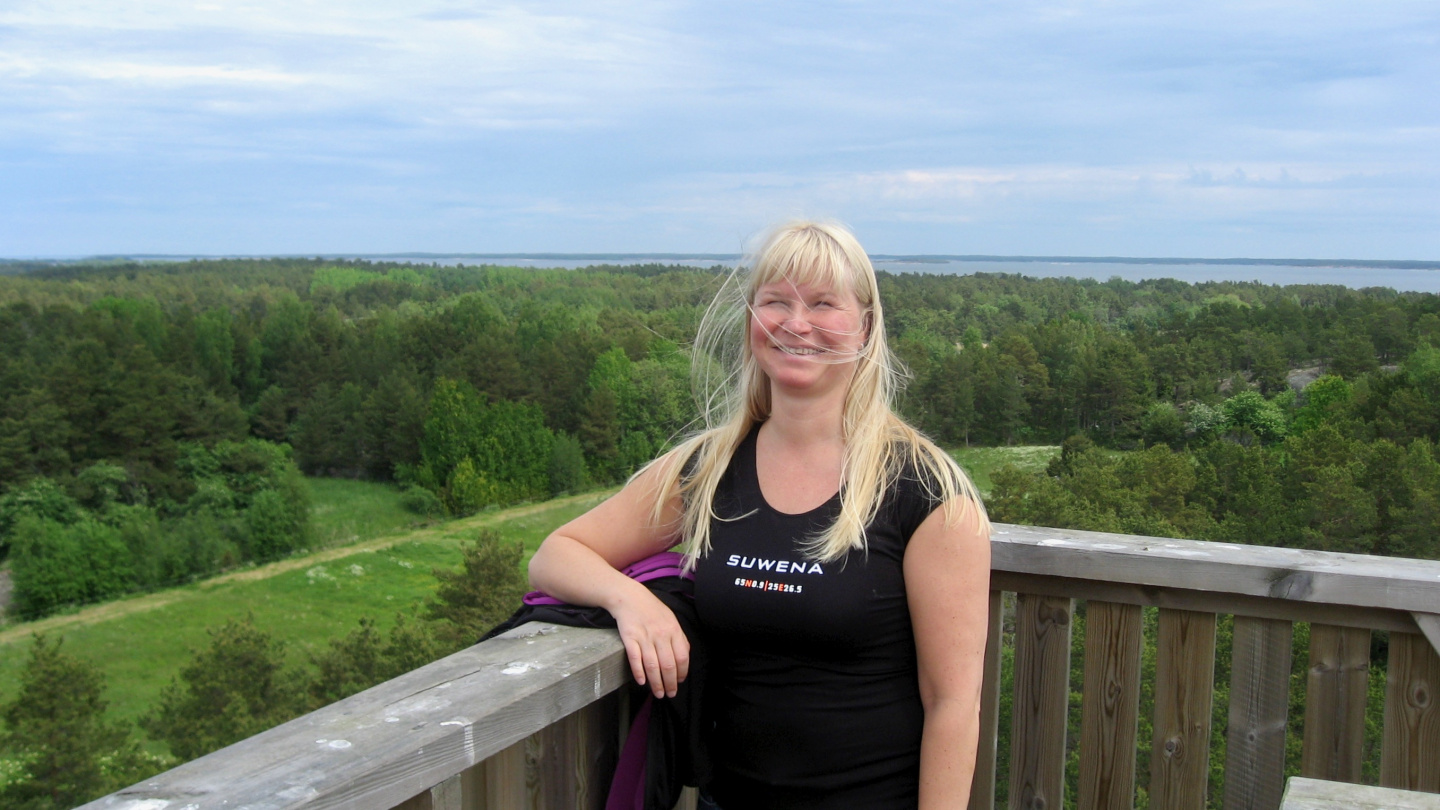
(140, 604)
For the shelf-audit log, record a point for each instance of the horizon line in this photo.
(920, 258)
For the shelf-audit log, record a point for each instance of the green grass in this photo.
(344, 511)
(980, 462)
(140, 651)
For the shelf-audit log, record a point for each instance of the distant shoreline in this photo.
(928, 258)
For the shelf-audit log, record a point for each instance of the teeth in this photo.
(789, 350)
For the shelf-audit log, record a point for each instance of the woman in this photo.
(842, 561)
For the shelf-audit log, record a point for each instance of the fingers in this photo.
(662, 664)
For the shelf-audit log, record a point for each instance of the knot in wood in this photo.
(1420, 696)
(1049, 614)
(1174, 747)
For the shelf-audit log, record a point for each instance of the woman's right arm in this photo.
(580, 563)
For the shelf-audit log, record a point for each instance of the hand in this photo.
(657, 648)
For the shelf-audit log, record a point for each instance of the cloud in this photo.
(570, 125)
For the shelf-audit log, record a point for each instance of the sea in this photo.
(1400, 279)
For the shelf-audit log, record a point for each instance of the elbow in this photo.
(535, 569)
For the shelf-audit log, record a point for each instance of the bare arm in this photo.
(947, 579)
(580, 564)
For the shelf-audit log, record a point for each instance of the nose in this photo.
(797, 322)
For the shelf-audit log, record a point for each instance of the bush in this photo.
(237, 687)
(484, 592)
(567, 465)
(55, 725)
(422, 502)
(362, 659)
(56, 565)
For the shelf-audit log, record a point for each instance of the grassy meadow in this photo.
(370, 557)
(980, 462)
(383, 568)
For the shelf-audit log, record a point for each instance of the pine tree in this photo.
(56, 727)
(237, 687)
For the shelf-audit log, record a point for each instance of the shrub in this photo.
(55, 725)
(235, 688)
(56, 565)
(422, 502)
(486, 590)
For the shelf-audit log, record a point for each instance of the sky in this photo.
(1306, 129)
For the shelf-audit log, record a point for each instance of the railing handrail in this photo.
(1320, 577)
(378, 748)
(383, 746)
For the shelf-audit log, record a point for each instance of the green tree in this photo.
(55, 725)
(235, 688)
(1250, 414)
(487, 589)
(365, 658)
(1324, 401)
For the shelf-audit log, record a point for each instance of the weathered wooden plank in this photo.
(506, 778)
(472, 787)
(448, 795)
(1335, 693)
(1259, 703)
(1410, 757)
(1042, 672)
(1110, 706)
(387, 744)
(558, 763)
(1315, 794)
(982, 786)
(1278, 573)
(1429, 624)
(1184, 686)
(1206, 602)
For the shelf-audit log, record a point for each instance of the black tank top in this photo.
(813, 673)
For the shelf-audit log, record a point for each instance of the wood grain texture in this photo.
(1042, 670)
(1110, 706)
(982, 785)
(1410, 757)
(389, 743)
(1184, 687)
(1259, 704)
(506, 782)
(1429, 624)
(1335, 692)
(1314, 794)
(1276, 573)
(1207, 602)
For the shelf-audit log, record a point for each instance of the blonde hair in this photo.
(734, 394)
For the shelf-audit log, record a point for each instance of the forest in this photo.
(159, 421)
(160, 413)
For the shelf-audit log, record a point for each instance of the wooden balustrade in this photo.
(534, 719)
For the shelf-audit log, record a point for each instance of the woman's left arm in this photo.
(947, 581)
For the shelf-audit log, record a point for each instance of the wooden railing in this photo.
(534, 719)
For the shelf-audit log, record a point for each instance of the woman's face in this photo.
(806, 337)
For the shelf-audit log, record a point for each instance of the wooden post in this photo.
(1042, 692)
(1335, 703)
(982, 785)
(504, 779)
(1184, 686)
(1410, 758)
(447, 795)
(1259, 704)
(1111, 705)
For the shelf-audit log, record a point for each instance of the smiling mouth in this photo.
(803, 351)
